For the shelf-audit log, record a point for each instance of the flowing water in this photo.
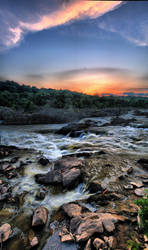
(41, 140)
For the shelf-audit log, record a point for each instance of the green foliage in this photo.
(28, 98)
(133, 244)
(143, 212)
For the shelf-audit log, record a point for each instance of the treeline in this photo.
(29, 98)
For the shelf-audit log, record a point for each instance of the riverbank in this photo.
(73, 186)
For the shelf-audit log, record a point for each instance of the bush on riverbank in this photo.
(29, 98)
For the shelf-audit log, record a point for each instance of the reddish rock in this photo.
(137, 184)
(72, 209)
(139, 192)
(34, 242)
(98, 243)
(68, 162)
(40, 216)
(111, 241)
(5, 231)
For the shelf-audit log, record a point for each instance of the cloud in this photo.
(69, 74)
(35, 76)
(15, 26)
(135, 94)
(130, 21)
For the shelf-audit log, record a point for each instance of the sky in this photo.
(94, 47)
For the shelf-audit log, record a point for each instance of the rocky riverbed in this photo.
(73, 186)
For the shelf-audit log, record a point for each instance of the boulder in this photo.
(137, 184)
(43, 161)
(66, 172)
(34, 242)
(5, 231)
(98, 243)
(143, 162)
(71, 178)
(139, 192)
(111, 241)
(87, 224)
(72, 209)
(40, 216)
(95, 186)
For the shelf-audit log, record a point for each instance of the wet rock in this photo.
(40, 195)
(34, 242)
(139, 192)
(143, 162)
(74, 129)
(71, 178)
(72, 209)
(121, 122)
(11, 175)
(68, 163)
(51, 178)
(5, 231)
(130, 170)
(137, 184)
(4, 192)
(14, 160)
(95, 186)
(65, 172)
(40, 216)
(43, 161)
(98, 243)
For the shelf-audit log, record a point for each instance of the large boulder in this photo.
(66, 172)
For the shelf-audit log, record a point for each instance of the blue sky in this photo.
(87, 46)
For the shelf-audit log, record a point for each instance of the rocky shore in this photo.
(83, 200)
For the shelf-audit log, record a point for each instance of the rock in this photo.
(5, 231)
(72, 209)
(40, 195)
(130, 170)
(111, 241)
(87, 224)
(143, 162)
(14, 159)
(98, 243)
(68, 162)
(139, 192)
(1, 182)
(88, 245)
(128, 187)
(34, 242)
(65, 172)
(65, 236)
(95, 186)
(74, 129)
(40, 216)
(43, 161)
(145, 181)
(51, 178)
(137, 184)
(4, 192)
(71, 178)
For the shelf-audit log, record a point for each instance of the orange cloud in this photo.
(73, 11)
